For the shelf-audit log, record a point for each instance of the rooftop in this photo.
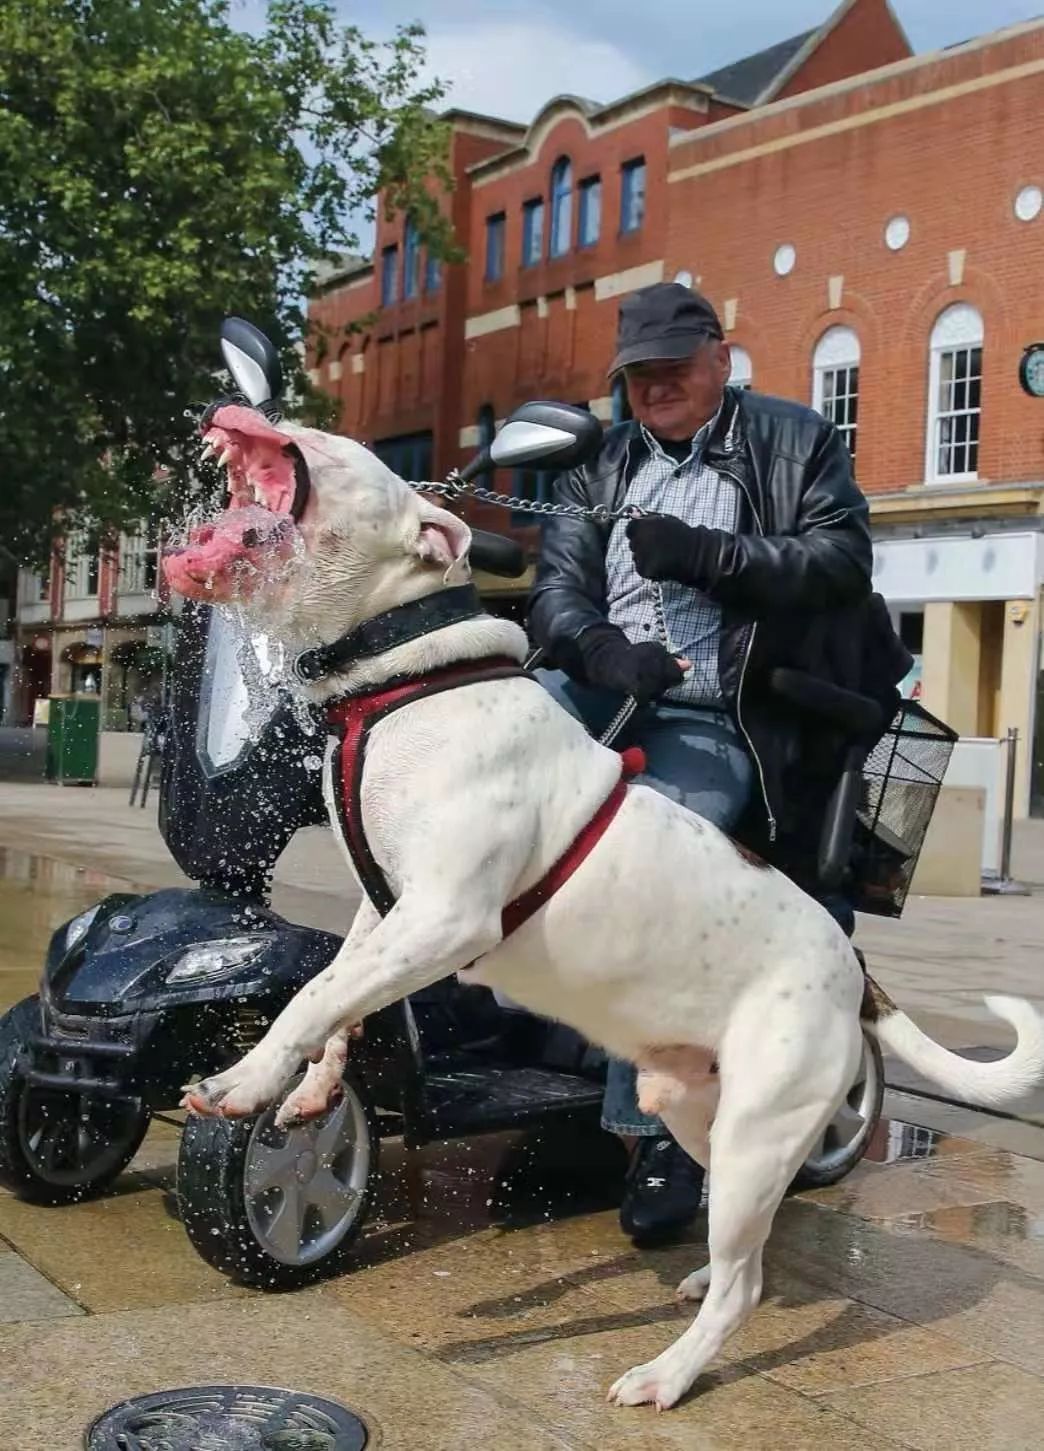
(745, 80)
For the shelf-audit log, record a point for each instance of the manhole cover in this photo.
(227, 1418)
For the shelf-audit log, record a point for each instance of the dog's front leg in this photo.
(418, 943)
(322, 1081)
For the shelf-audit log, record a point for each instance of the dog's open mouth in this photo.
(225, 558)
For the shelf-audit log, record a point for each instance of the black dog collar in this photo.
(398, 626)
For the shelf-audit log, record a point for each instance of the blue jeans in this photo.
(697, 758)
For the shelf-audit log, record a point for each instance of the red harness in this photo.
(354, 716)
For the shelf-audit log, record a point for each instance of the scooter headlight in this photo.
(212, 961)
(79, 927)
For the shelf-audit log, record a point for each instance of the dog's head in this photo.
(318, 534)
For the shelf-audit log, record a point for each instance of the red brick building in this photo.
(870, 225)
(559, 219)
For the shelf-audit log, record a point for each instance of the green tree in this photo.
(160, 168)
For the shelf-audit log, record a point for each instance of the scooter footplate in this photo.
(478, 1100)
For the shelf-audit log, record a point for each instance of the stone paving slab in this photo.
(300, 1342)
(987, 1406)
(26, 1294)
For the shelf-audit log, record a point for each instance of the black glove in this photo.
(644, 670)
(666, 549)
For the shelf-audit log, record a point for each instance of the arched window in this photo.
(621, 411)
(561, 207)
(835, 381)
(954, 394)
(742, 375)
(487, 425)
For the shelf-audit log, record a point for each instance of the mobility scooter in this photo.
(139, 994)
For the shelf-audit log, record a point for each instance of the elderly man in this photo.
(755, 529)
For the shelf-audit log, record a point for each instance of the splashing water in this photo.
(262, 662)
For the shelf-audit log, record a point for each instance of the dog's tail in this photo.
(990, 1085)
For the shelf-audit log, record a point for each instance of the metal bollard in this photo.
(1003, 885)
(1009, 805)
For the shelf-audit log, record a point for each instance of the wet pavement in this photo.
(492, 1299)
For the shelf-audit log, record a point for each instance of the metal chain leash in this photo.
(454, 487)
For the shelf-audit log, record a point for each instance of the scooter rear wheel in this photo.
(847, 1136)
(280, 1208)
(58, 1146)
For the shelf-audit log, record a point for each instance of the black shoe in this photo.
(664, 1188)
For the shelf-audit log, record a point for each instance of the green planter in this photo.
(72, 740)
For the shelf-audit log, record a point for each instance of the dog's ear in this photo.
(444, 540)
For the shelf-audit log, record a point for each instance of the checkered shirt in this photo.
(694, 492)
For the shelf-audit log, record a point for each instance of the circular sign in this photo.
(1028, 203)
(251, 1418)
(784, 259)
(897, 233)
(1031, 370)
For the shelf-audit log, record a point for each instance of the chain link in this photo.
(455, 487)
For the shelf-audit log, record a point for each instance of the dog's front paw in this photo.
(661, 1383)
(307, 1102)
(241, 1091)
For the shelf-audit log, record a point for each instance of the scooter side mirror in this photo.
(553, 435)
(252, 360)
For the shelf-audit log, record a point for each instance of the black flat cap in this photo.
(663, 322)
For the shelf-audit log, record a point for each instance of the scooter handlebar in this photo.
(497, 554)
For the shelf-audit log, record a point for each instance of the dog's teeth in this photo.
(225, 457)
(207, 451)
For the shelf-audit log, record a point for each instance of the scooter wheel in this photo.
(279, 1208)
(847, 1136)
(58, 1146)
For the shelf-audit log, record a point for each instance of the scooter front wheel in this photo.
(279, 1208)
(58, 1146)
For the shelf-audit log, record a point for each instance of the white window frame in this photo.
(77, 570)
(742, 374)
(837, 352)
(34, 597)
(33, 588)
(134, 552)
(959, 328)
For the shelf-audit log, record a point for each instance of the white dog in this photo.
(667, 946)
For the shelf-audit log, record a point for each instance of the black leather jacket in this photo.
(802, 550)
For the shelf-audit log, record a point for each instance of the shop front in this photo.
(966, 602)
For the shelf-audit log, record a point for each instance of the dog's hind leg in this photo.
(778, 1092)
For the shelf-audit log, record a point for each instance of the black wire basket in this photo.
(901, 781)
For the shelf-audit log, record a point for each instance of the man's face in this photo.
(675, 399)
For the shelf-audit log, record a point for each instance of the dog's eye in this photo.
(251, 538)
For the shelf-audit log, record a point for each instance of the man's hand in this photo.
(645, 670)
(666, 549)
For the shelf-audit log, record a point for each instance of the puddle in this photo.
(999, 1220)
(895, 1140)
(38, 894)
